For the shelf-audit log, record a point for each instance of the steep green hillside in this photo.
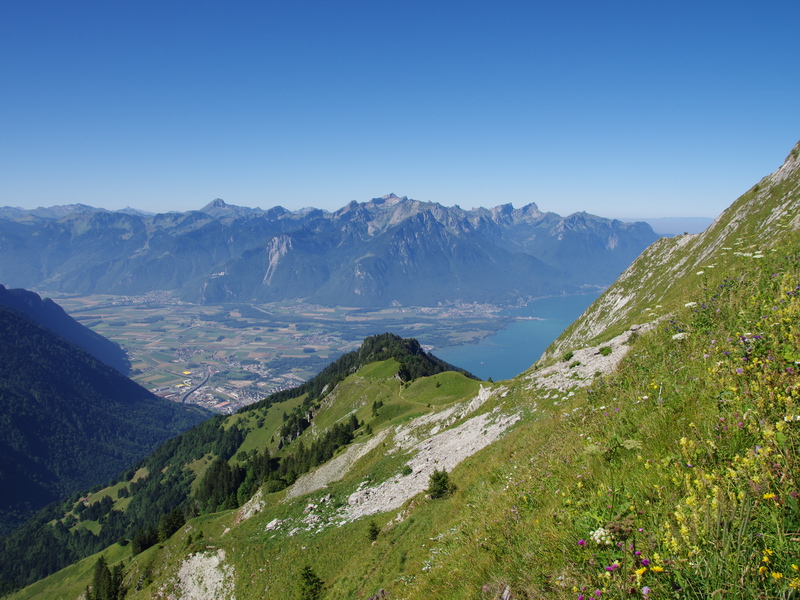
(654, 462)
(50, 315)
(657, 280)
(68, 421)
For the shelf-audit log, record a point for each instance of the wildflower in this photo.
(795, 583)
(776, 575)
(640, 572)
(612, 567)
(769, 496)
(657, 569)
(581, 542)
(601, 536)
(645, 591)
(645, 562)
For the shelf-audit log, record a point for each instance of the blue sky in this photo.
(639, 109)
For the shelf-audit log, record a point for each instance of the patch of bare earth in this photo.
(202, 576)
(334, 469)
(443, 450)
(584, 364)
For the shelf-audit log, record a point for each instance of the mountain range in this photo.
(386, 251)
(650, 453)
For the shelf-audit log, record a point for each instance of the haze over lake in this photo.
(515, 348)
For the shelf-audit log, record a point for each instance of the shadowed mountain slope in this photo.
(50, 315)
(69, 421)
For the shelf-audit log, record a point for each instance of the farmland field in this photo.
(224, 357)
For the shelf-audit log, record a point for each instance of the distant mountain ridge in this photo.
(389, 250)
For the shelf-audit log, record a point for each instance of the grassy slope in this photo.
(685, 456)
(356, 393)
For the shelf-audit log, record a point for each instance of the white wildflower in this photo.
(602, 536)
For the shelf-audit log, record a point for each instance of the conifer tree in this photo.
(309, 586)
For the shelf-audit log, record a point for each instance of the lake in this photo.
(515, 348)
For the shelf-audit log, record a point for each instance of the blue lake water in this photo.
(515, 348)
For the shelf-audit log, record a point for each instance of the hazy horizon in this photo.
(604, 108)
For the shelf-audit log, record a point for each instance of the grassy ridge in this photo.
(766, 213)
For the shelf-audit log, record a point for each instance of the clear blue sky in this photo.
(637, 108)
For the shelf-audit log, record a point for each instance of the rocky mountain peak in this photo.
(216, 203)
